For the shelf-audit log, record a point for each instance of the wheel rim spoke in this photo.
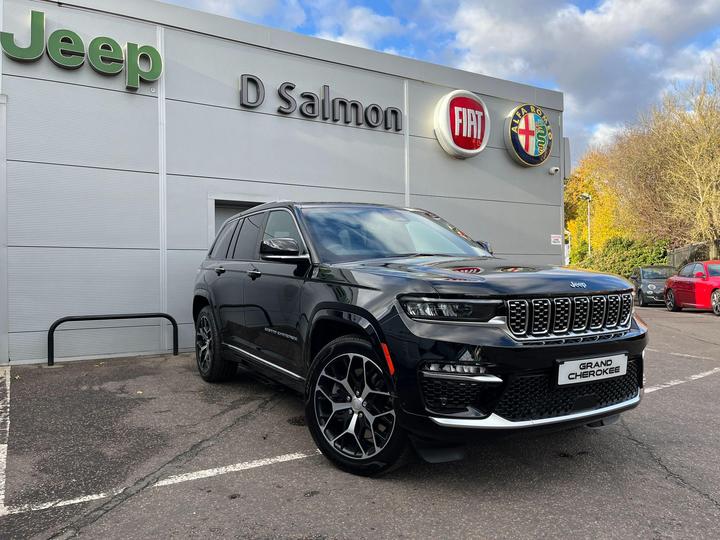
(203, 343)
(353, 406)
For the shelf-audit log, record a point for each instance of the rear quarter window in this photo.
(222, 241)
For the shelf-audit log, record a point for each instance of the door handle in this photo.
(219, 270)
(254, 273)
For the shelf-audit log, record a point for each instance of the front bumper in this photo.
(518, 390)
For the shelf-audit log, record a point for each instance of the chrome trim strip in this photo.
(498, 422)
(569, 335)
(449, 300)
(482, 378)
(265, 362)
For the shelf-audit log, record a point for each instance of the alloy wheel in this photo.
(353, 406)
(670, 300)
(203, 343)
(716, 302)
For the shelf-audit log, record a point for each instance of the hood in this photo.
(490, 276)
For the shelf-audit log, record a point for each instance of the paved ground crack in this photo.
(669, 473)
(74, 528)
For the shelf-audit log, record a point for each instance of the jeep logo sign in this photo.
(462, 124)
(66, 49)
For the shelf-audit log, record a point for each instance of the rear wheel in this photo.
(349, 408)
(670, 302)
(212, 367)
(715, 301)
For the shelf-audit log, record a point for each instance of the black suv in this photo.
(396, 327)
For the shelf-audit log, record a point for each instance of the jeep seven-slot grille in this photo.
(564, 316)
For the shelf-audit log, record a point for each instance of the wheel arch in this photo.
(330, 321)
(201, 298)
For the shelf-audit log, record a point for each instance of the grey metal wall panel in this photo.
(224, 143)
(88, 342)
(49, 283)
(187, 209)
(60, 123)
(512, 229)
(190, 77)
(490, 175)
(182, 268)
(87, 25)
(421, 107)
(52, 205)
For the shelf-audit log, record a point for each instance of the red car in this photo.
(697, 286)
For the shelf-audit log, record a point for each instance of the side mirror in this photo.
(281, 249)
(485, 246)
(700, 275)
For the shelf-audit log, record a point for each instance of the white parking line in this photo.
(691, 378)
(682, 355)
(4, 429)
(197, 475)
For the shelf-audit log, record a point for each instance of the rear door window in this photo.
(222, 241)
(247, 238)
(686, 271)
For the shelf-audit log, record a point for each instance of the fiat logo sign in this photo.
(462, 124)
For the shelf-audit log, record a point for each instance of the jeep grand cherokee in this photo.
(398, 328)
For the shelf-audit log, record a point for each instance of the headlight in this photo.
(651, 287)
(442, 309)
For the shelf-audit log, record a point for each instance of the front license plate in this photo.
(592, 369)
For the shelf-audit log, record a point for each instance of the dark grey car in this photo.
(649, 284)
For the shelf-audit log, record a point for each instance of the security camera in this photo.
(554, 170)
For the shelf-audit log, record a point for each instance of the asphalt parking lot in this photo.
(137, 448)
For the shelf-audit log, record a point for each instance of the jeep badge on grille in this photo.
(578, 285)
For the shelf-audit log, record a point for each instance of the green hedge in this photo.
(622, 255)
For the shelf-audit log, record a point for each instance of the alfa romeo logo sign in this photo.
(462, 124)
(528, 135)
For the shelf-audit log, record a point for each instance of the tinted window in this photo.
(280, 224)
(350, 233)
(687, 270)
(714, 270)
(246, 244)
(222, 241)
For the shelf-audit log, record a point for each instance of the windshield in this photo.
(657, 273)
(714, 270)
(353, 233)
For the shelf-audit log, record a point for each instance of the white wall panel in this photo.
(87, 25)
(52, 205)
(60, 123)
(224, 143)
(191, 77)
(512, 229)
(490, 175)
(182, 268)
(188, 202)
(48, 283)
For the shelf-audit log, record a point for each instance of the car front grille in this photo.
(540, 318)
(531, 396)
(536, 396)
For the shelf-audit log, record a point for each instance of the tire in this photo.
(339, 402)
(641, 299)
(670, 303)
(212, 367)
(715, 302)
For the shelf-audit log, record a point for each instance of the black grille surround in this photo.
(528, 396)
(567, 317)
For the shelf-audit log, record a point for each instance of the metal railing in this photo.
(114, 316)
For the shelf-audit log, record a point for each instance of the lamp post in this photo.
(587, 197)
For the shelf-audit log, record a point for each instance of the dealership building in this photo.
(129, 131)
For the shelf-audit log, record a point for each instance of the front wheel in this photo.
(670, 302)
(715, 301)
(350, 410)
(640, 299)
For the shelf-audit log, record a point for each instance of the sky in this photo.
(612, 59)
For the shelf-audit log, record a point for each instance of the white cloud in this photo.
(604, 134)
(358, 25)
